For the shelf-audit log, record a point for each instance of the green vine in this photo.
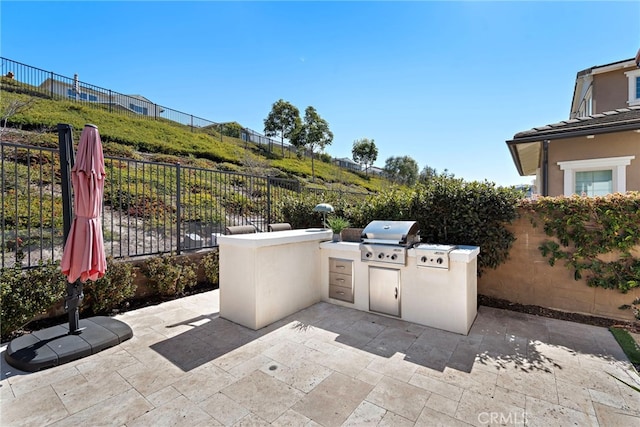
(587, 228)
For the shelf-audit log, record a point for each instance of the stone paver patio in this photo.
(331, 366)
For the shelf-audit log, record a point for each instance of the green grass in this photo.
(130, 136)
(627, 343)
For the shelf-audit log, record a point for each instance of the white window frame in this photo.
(633, 80)
(618, 166)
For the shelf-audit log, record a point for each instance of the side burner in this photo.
(434, 256)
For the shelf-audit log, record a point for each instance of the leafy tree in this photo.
(364, 151)
(231, 129)
(313, 133)
(428, 173)
(282, 120)
(403, 170)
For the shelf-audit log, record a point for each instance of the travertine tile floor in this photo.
(330, 366)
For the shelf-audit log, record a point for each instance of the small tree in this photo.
(312, 133)
(12, 107)
(403, 170)
(231, 129)
(282, 120)
(364, 151)
(428, 174)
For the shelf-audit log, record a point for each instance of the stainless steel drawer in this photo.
(341, 293)
(338, 265)
(344, 280)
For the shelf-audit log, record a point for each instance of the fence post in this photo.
(155, 111)
(178, 209)
(192, 123)
(51, 84)
(268, 200)
(110, 101)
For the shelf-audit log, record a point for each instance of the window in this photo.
(634, 87)
(138, 109)
(595, 177)
(594, 183)
(81, 95)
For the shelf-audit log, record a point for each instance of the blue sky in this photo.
(446, 83)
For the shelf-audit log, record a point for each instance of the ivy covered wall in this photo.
(577, 254)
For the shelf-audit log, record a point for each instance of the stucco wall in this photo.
(608, 145)
(527, 278)
(610, 90)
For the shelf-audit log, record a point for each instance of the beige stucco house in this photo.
(597, 150)
(77, 91)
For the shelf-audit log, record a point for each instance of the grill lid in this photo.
(392, 232)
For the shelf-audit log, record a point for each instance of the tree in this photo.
(281, 120)
(232, 129)
(403, 170)
(312, 133)
(428, 173)
(9, 108)
(364, 151)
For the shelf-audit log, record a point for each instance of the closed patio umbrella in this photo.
(84, 257)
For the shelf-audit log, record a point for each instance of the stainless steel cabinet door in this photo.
(384, 290)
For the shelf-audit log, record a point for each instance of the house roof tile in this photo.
(611, 120)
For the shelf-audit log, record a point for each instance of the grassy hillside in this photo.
(167, 141)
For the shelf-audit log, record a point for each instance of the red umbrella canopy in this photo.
(83, 257)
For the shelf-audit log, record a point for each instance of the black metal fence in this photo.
(22, 78)
(149, 208)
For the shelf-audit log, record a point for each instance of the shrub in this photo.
(211, 265)
(448, 210)
(26, 294)
(170, 275)
(393, 205)
(107, 293)
(297, 209)
(325, 157)
(452, 211)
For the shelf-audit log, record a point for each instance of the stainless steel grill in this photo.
(388, 241)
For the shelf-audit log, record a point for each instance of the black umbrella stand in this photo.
(80, 338)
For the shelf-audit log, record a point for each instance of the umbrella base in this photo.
(55, 346)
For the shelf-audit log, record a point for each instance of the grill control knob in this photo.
(439, 260)
(423, 259)
(394, 256)
(368, 254)
(380, 255)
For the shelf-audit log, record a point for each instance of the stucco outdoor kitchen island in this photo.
(442, 298)
(265, 277)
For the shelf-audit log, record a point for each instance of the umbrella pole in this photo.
(71, 304)
(67, 160)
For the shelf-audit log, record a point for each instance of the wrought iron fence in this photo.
(31, 200)
(149, 208)
(22, 78)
